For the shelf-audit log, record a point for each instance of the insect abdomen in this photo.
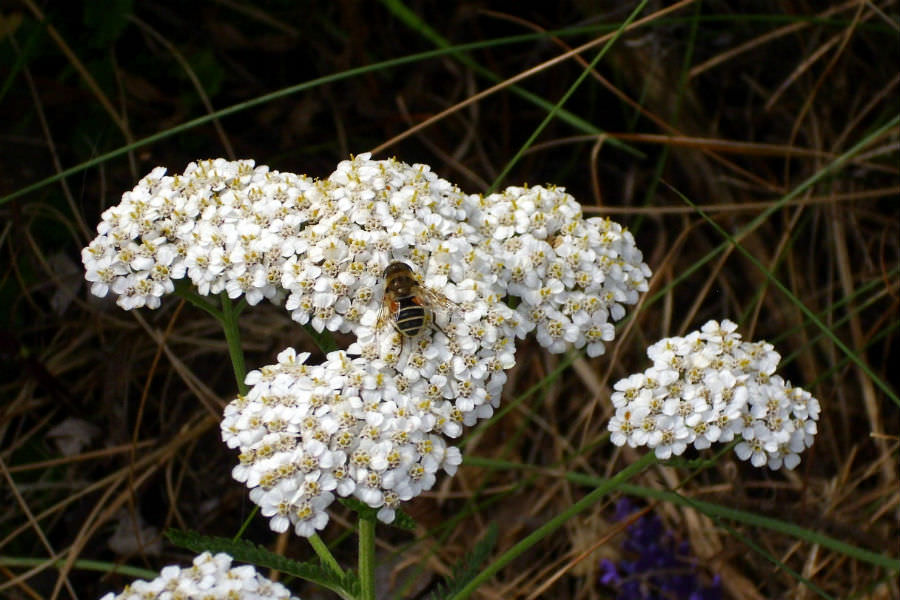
(410, 316)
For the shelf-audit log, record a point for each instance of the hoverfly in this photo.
(408, 304)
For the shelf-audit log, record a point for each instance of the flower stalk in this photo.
(229, 322)
(367, 558)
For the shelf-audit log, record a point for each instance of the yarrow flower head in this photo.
(572, 275)
(211, 578)
(324, 244)
(371, 214)
(708, 387)
(223, 224)
(308, 432)
(371, 421)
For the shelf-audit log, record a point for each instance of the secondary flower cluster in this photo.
(571, 274)
(655, 567)
(710, 387)
(211, 578)
(222, 223)
(306, 432)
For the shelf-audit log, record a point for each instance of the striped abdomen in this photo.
(409, 316)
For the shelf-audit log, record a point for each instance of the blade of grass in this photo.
(709, 508)
(556, 108)
(740, 516)
(676, 113)
(604, 488)
(418, 25)
(732, 240)
(107, 568)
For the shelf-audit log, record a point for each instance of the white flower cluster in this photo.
(369, 214)
(710, 387)
(227, 225)
(211, 578)
(571, 274)
(366, 215)
(235, 227)
(306, 432)
(372, 427)
(369, 426)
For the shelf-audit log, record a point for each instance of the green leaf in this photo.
(403, 521)
(324, 340)
(209, 71)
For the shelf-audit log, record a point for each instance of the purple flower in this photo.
(655, 566)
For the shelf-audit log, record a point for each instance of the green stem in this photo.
(246, 524)
(558, 521)
(233, 338)
(325, 554)
(107, 568)
(229, 320)
(367, 558)
(184, 289)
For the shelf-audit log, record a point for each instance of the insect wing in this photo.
(438, 303)
(385, 314)
(436, 298)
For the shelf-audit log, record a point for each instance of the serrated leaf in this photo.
(403, 521)
(248, 552)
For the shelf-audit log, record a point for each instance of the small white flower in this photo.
(625, 423)
(753, 450)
